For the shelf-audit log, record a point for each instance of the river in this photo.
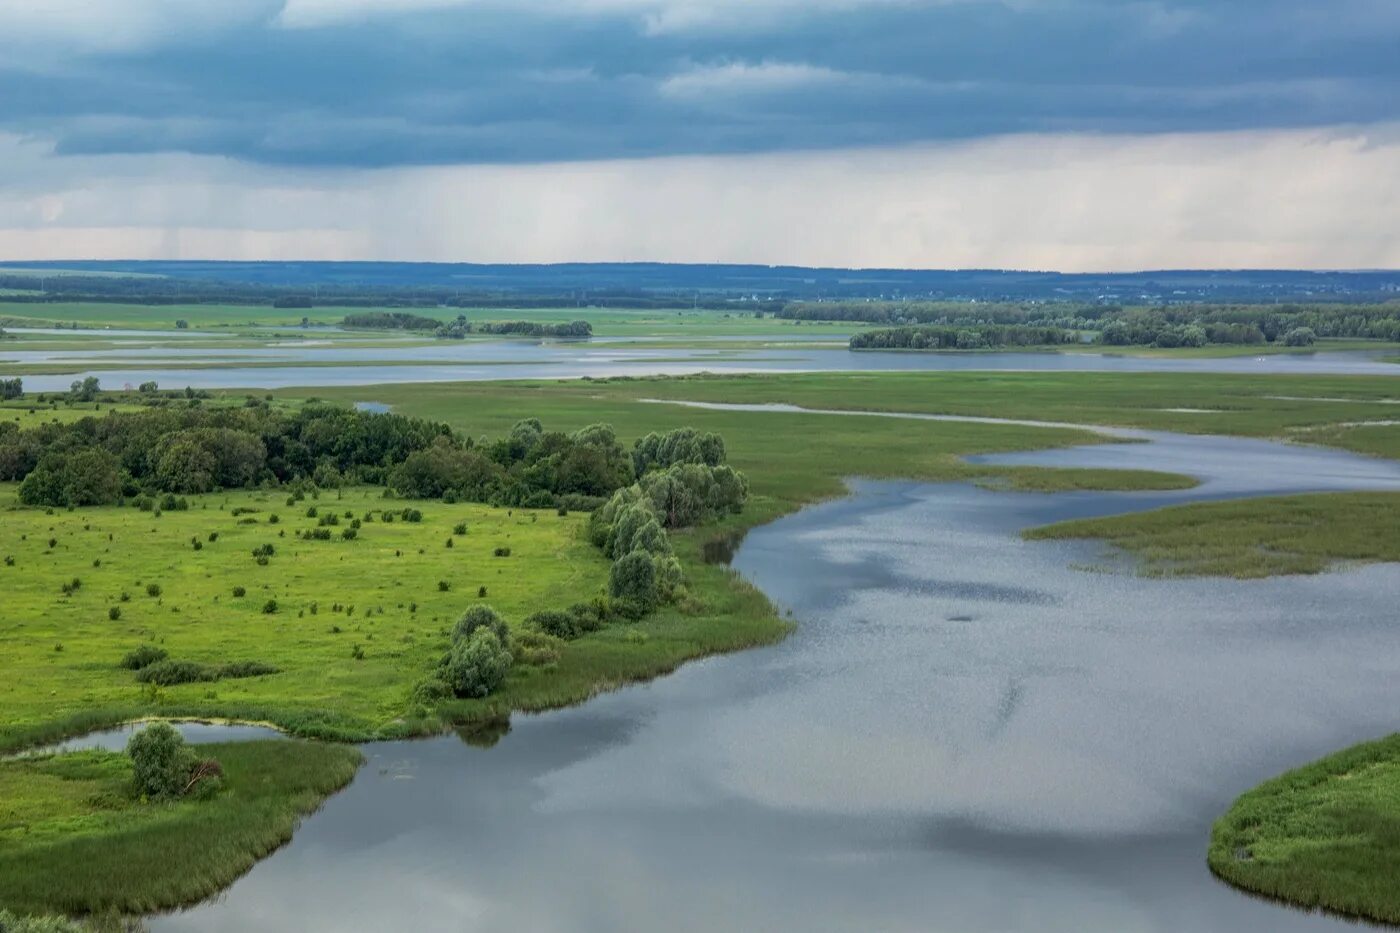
(966, 732)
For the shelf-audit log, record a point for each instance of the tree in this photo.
(11, 388)
(186, 466)
(1300, 337)
(161, 762)
(182, 324)
(478, 664)
(633, 579)
(148, 388)
(85, 390)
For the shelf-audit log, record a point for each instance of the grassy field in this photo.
(356, 622)
(1251, 537)
(1325, 835)
(74, 839)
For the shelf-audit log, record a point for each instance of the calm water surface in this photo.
(308, 363)
(965, 733)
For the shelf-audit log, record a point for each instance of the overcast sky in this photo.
(1068, 134)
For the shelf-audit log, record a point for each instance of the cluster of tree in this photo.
(529, 467)
(102, 460)
(1168, 326)
(11, 388)
(461, 327)
(936, 337)
(682, 482)
(389, 320)
(945, 313)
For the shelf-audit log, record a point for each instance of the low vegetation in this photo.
(155, 829)
(1251, 537)
(1324, 835)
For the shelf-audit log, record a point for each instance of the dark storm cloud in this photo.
(433, 81)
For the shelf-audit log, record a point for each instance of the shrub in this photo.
(430, 691)
(477, 665)
(501, 552)
(554, 622)
(460, 528)
(114, 613)
(481, 592)
(444, 586)
(161, 762)
(172, 673)
(143, 656)
(239, 669)
(239, 592)
(269, 607)
(152, 589)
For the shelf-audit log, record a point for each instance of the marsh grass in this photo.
(1249, 538)
(75, 840)
(1324, 835)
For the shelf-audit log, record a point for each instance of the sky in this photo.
(1079, 135)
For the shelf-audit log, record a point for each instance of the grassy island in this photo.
(1324, 835)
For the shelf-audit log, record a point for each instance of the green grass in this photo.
(1325, 835)
(30, 413)
(1250, 537)
(59, 672)
(1073, 479)
(74, 839)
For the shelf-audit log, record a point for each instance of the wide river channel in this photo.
(966, 732)
(306, 361)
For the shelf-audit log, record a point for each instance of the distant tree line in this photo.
(986, 336)
(943, 325)
(461, 327)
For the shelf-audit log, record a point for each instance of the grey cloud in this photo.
(436, 81)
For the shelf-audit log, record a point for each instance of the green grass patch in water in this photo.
(1249, 538)
(1324, 835)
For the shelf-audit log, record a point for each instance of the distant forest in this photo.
(975, 326)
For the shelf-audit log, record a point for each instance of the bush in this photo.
(444, 586)
(153, 589)
(269, 607)
(240, 669)
(144, 656)
(479, 617)
(501, 552)
(430, 691)
(477, 665)
(554, 622)
(114, 613)
(460, 528)
(239, 592)
(173, 673)
(349, 534)
(161, 762)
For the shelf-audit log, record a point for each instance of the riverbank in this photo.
(75, 840)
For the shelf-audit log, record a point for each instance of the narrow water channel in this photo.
(965, 733)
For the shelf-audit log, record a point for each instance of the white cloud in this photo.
(741, 78)
(1320, 199)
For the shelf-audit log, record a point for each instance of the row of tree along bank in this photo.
(461, 327)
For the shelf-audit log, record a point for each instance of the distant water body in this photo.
(313, 364)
